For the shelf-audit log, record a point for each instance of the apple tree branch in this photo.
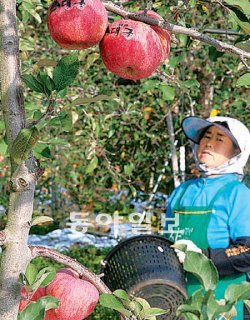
(193, 33)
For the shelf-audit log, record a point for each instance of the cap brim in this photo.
(193, 128)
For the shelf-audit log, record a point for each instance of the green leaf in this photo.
(145, 306)
(36, 310)
(119, 293)
(42, 150)
(109, 301)
(128, 169)
(244, 80)
(2, 126)
(35, 15)
(188, 309)
(168, 92)
(134, 306)
(41, 220)
(63, 120)
(241, 20)
(237, 292)
(243, 5)
(209, 305)
(33, 83)
(31, 273)
(192, 306)
(101, 97)
(46, 82)
(192, 3)
(3, 147)
(133, 190)
(173, 62)
(24, 142)
(191, 83)
(247, 304)
(92, 166)
(65, 71)
(231, 314)
(214, 54)
(244, 45)
(149, 85)
(43, 278)
(191, 316)
(48, 302)
(196, 300)
(27, 44)
(25, 16)
(155, 312)
(202, 268)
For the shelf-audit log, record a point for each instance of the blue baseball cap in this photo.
(194, 128)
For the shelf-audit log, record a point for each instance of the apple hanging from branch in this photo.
(131, 49)
(77, 24)
(77, 297)
(163, 34)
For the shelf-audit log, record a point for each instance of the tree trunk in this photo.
(16, 253)
(174, 157)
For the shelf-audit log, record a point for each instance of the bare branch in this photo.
(193, 33)
(72, 263)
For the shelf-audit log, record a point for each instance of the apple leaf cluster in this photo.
(131, 308)
(202, 304)
(35, 304)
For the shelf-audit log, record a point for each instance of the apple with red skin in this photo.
(131, 49)
(28, 296)
(77, 297)
(77, 24)
(163, 34)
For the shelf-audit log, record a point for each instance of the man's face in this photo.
(215, 148)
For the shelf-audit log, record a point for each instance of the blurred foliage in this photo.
(93, 148)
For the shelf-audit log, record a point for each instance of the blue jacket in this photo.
(228, 231)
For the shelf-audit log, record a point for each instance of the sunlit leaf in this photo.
(244, 80)
(110, 301)
(101, 97)
(243, 5)
(24, 142)
(31, 273)
(202, 268)
(41, 220)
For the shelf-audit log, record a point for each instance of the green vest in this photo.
(193, 225)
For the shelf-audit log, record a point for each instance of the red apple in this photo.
(163, 34)
(77, 297)
(131, 49)
(77, 24)
(28, 296)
